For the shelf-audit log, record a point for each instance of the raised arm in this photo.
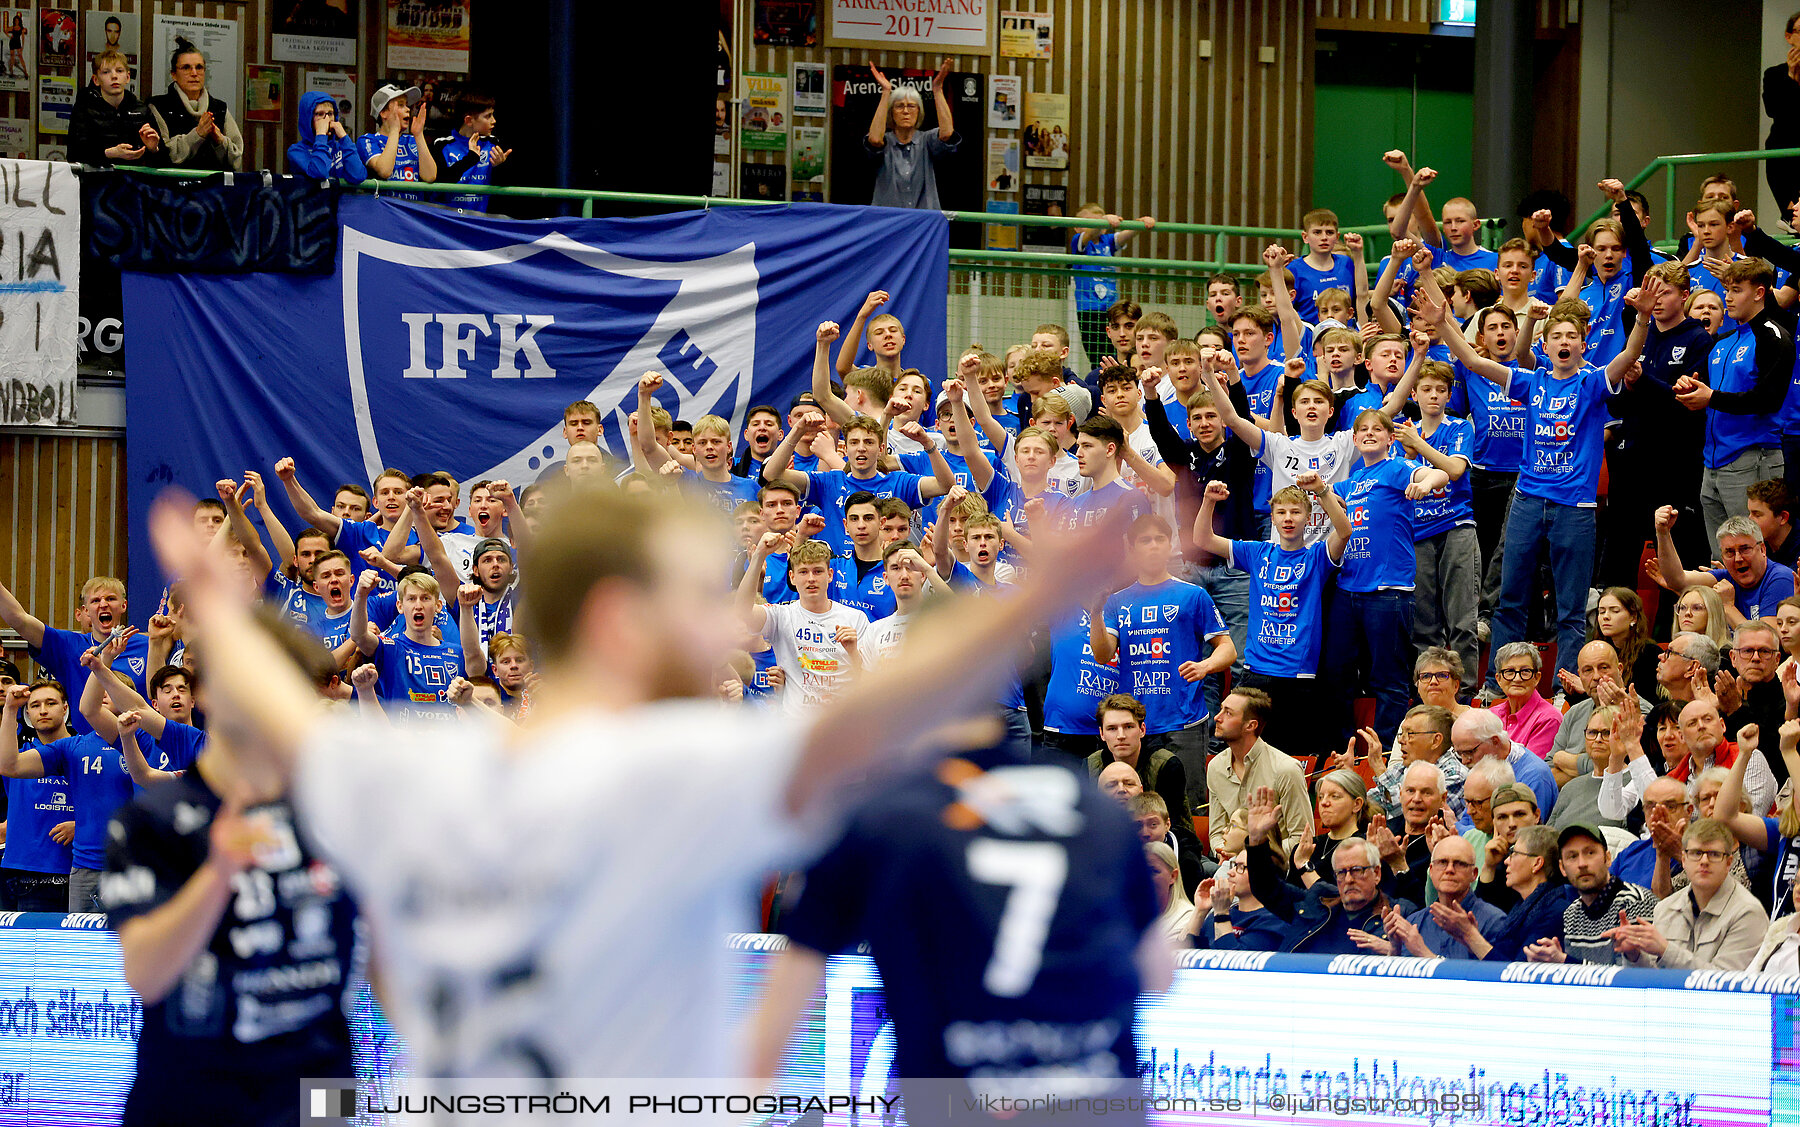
(1102, 641)
(16, 764)
(1394, 402)
(135, 764)
(428, 169)
(946, 126)
(121, 692)
(1383, 312)
(98, 716)
(997, 435)
(367, 639)
(14, 614)
(1584, 261)
(307, 508)
(1418, 447)
(829, 401)
(878, 124)
(1359, 296)
(1159, 479)
(242, 529)
(644, 444)
(1643, 300)
(1326, 497)
(1248, 432)
(475, 662)
(1668, 560)
(942, 480)
(775, 468)
(749, 610)
(1275, 258)
(281, 545)
(1207, 540)
(397, 547)
(1749, 828)
(1492, 370)
(981, 470)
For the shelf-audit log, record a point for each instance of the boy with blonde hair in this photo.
(414, 667)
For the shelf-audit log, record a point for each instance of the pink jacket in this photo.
(1534, 726)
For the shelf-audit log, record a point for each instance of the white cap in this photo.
(388, 93)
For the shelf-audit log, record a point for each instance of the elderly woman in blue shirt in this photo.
(907, 153)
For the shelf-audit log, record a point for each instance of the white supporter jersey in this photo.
(535, 912)
(1287, 458)
(1064, 478)
(461, 547)
(807, 650)
(882, 638)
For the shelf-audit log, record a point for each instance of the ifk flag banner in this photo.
(444, 342)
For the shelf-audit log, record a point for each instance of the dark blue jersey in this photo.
(1003, 910)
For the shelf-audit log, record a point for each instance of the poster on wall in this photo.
(341, 85)
(1046, 131)
(262, 93)
(16, 22)
(786, 23)
(428, 35)
(56, 38)
(15, 138)
(56, 100)
(314, 31)
(961, 176)
(809, 89)
(439, 92)
(112, 31)
(961, 28)
(217, 40)
(1002, 236)
(1007, 98)
(1046, 199)
(1025, 35)
(807, 154)
(764, 124)
(764, 181)
(40, 247)
(1003, 164)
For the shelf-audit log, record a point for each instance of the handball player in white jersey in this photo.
(538, 906)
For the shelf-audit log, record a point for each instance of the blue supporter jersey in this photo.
(1095, 286)
(1279, 352)
(1077, 683)
(455, 149)
(1454, 504)
(1565, 427)
(33, 808)
(1287, 605)
(1606, 329)
(1498, 421)
(1481, 258)
(1731, 366)
(60, 659)
(1547, 285)
(863, 586)
(1379, 556)
(828, 488)
(1259, 390)
(1002, 911)
(959, 469)
(98, 785)
(1159, 629)
(1091, 507)
(1369, 398)
(1310, 282)
(355, 535)
(758, 688)
(1701, 277)
(177, 748)
(722, 495)
(290, 599)
(1755, 602)
(333, 631)
(406, 161)
(415, 678)
(384, 616)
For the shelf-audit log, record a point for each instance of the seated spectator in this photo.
(1753, 694)
(1716, 925)
(1438, 675)
(1599, 679)
(1446, 928)
(195, 128)
(1780, 950)
(1341, 798)
(1484, 780)
(1231, 918)
(1602, 902)
(1151, 814)
(1529, 718)
(1654, 858)
(108, 124)
(1480, 734)
(1699, 610)
(1177, 909)
(1757, 582)
(1249, 763)
(1515, 808)
(1403, 840)
(1608, 731)
(397, 149)
(1533, 875)
(1620, 621)
(1703, 733)
(1424, 737)
(1120, 781)
(324, 150)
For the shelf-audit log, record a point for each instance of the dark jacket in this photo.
(1194, 466)
(1261, 930)
(1317, 923)
(1165, 775)
(1538, 916)
(96, 126)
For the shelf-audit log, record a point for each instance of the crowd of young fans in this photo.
(1335, 492)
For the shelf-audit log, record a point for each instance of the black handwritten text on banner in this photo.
(40, 288)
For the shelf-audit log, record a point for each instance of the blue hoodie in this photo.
(323, 158)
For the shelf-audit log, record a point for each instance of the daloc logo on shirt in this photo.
(450, 342)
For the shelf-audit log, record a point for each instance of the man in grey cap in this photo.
(1603, 902)
(397, 149)
(1514, 807)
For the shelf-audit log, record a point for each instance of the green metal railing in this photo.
(1673, 206)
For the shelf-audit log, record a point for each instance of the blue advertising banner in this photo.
(444, 342)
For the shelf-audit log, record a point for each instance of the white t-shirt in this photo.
(461, 546)
(807, 650)
(882, 638)
(1288, 458)
(532, 886)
